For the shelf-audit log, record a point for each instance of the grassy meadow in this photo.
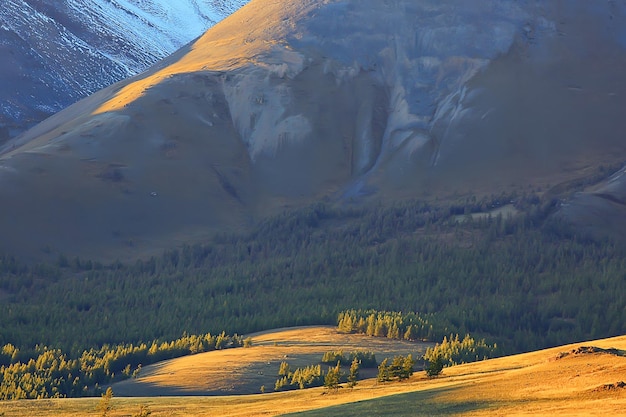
(565, 380)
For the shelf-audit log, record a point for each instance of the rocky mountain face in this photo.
(287, 102)
(55, 52)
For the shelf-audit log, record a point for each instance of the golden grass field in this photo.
(556, 381)
(239, 371)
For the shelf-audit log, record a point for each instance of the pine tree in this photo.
(407, 367)
(383, 371)
(104, 406)
(434, 368)
(354, 373)
(280, 383)
(332, 378)
(284, 369)
(345, 322)
(395, 369)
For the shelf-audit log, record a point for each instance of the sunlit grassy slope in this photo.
(224, 49)
(244, 371)
(558, 381)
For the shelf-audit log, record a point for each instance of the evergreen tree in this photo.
(401, 367)
(354, 373)
(281, 383)
(284, 370)
(434, 368)
(383, 371)
(333, 378)
(407, 367)
(395, 369)
(104, 406)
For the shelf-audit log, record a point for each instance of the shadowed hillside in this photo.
(285, 103)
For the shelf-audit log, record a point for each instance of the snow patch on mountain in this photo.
(156, 27)
(55, 52)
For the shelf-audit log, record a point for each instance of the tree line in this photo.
(392, 325)
(313, 375)
(51, 373)
(523, 282)
(454, 351)
(400, 368)
(366, 359)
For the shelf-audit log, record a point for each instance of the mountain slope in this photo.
(56, 52)
(284, 103)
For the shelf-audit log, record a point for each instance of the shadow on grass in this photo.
(422, 403)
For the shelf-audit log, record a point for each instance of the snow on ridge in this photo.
(63, 50)
(149, 30)
(131, 34)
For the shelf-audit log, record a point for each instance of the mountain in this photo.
(285, 103)
(57, 52)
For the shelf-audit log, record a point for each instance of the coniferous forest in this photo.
(522, 282)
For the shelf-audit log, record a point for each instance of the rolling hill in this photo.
(578, 379)
(306, 157)
(235, 372)
(286, 103)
